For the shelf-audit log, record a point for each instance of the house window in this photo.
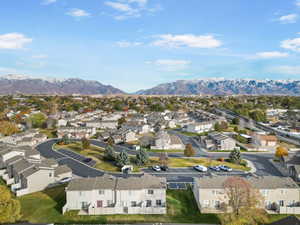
(158, 202)
(109, 203)
(150, 192)
(148, 203)
(101, 192)
(206, 203)
(281, 203)
(80, 193)
(50, 174)
(264, 192)
(133, 204)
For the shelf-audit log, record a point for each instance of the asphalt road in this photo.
(82, 169)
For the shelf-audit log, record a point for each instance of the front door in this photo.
(99, 204)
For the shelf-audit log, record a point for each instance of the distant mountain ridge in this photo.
(20, 84)
(221, 86)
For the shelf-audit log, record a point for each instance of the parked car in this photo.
(164, 168)
(215, 168)
(156, 168)
(226, 168)
(87, 160)
(200, 168)
(65, 180)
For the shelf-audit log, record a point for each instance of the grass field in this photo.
(45, 207)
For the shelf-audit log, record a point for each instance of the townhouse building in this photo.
(117, 195)
(279, 194)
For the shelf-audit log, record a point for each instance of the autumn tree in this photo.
(242, 204)
(10, 208)
(37, 120)
(281, 151)
(85, 143)
(8, 128)
(163, 159)
(189, 151)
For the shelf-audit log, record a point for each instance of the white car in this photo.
(65, 180)
(200, 168)
(156, 168)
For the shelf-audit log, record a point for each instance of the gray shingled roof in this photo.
(21, 165)
(61, 170)
(109, 182)
(261, 182)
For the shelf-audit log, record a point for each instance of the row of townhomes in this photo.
(26, 171)
(117, 195)
(280, 194)
(28, 138)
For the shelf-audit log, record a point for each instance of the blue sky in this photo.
(136, 44)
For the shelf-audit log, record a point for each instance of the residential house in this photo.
(280, 194)
(26, 176)
(166, 141)
(264, 140)
(117, 195)
(76, 132)
(217, 141)
(200, 127)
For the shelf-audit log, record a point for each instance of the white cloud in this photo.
(130, 8)
(126, 44)
(13, 41)
(298, 3)
(119, 6)
(78, 13)
(48, 2)
(290, 18)
(291, 44)
(288, 70)
(41, 56)
(268, 55)
(170, 64)
(187, 40)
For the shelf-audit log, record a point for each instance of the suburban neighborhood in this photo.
(128, 162)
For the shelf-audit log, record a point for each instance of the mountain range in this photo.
(226, 87)
(20, 84)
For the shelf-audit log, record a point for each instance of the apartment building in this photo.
(217, 141)
(279, 194)
(117, 195)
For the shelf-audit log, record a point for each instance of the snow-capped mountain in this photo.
(222, 86)
(13, 84)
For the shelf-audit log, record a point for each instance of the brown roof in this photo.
(268, 137)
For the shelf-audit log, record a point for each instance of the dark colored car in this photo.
(87, 160)
(164, 168)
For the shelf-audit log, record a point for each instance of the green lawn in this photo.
(161, 150)
(192, 134)
(45, 207)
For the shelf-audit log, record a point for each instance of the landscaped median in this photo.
(97, 154)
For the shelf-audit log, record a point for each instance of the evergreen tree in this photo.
(142, 157)
(122, 159)
(109, 153)
(235, 156)
(110, 141)
(65, 140)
